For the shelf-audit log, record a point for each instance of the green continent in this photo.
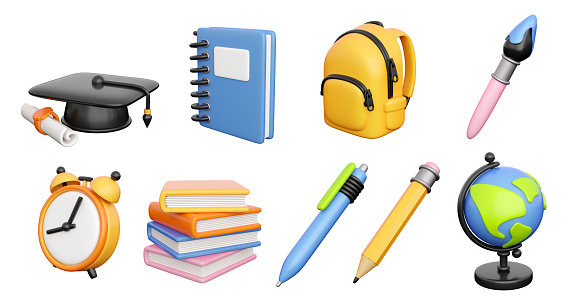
(534, 180)
(496, 206)
(528, 186)
(544, 202)
(519, 232)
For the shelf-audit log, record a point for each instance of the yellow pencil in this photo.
(393, 225)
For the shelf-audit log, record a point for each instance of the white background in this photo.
(458, 45)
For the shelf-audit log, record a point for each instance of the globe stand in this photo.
(496, 275)
(503, 275)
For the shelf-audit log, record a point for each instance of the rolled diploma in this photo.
(57, 131)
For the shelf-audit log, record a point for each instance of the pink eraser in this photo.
(434, 166)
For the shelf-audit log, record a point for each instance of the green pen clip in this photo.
(336, 186)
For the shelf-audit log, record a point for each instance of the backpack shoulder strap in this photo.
(409, 55)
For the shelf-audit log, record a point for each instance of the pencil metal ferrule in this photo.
(426, 177)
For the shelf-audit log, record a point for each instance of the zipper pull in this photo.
(393, 70)
(368, 102)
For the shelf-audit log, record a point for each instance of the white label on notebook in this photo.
(232, 63)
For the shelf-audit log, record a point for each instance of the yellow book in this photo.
(194, 196)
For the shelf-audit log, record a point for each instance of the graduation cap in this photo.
(97, 102)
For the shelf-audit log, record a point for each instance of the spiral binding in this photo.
(204, 94)
(202, 43)
(204, 56)
(203, 106)
(203, 69)
(205, 118)
(204, 81)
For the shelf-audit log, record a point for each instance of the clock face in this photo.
(71, 227)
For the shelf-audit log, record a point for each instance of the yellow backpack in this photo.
(362, 91)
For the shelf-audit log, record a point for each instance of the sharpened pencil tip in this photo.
(355, 279)
(278, 284)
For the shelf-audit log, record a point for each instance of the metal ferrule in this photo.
(505, 70)
(426, 177)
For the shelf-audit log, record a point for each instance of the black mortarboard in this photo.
(97, 102)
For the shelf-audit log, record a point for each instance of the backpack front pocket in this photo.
(395, 109)
(347, 101)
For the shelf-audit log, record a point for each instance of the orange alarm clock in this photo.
(79, 225)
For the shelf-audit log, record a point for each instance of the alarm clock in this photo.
(79, 225)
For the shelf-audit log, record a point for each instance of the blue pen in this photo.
(344, 191)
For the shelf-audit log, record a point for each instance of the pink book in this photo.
(199, 269)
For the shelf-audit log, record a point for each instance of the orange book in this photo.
(198, 225)
(202, 196)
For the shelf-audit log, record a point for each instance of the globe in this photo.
(504, 206)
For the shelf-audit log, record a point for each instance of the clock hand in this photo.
(54, 230)
(75, 210)
(65, 227)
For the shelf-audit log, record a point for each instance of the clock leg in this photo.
(54, 266)
(92, 273)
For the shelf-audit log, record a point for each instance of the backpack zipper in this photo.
(390, 65)
(368, 102)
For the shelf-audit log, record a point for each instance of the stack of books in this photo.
(202, 229)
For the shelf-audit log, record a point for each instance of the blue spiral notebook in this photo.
(236, 79)
(181, 246)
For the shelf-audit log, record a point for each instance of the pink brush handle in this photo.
(485, 106)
